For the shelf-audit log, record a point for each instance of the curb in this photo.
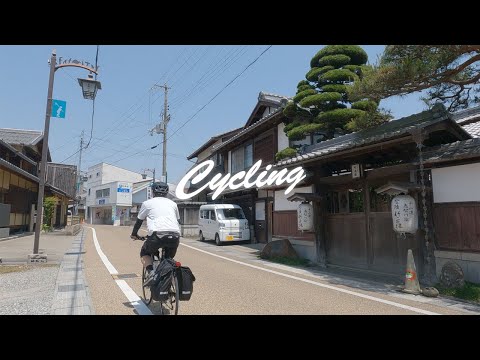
(72, 295)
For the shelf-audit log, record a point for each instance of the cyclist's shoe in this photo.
(149, 278)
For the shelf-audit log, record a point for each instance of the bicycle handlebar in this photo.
(143, 238)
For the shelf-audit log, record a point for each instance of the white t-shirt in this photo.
(161, 214)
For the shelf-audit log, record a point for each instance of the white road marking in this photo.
(134, 299)
(354, 293)
(111, 269)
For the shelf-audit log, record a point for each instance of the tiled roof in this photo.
(271, 97)
(469, 119)
(209, 142)
(383, 132)
(473, 129)
(20, 137)
(467, 115)
(454, 151)
(250, 128)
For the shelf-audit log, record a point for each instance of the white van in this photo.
(223, 223)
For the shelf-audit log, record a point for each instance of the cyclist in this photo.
(163, 221)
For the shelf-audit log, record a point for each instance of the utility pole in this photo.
(79, 173)
(42, 173)
(162, 129)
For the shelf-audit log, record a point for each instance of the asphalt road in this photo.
(230, 280)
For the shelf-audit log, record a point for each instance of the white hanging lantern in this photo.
(305, 217)
(404, 214)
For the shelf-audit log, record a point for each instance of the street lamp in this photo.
(145, 175)
(89, 87)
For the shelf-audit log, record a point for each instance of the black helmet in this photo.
(160, 188)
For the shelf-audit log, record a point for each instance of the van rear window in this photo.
(226, 214)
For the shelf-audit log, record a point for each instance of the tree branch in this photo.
(465, 82)
(461, 67)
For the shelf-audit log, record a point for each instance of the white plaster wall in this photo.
(456, 183)
(282, 139)
(281, 203)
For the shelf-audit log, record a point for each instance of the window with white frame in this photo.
(102, 193)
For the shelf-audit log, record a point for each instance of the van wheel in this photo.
(201, 236)
(217, 240)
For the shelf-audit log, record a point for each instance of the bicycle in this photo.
(172, 301)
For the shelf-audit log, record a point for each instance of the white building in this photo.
(109, 194)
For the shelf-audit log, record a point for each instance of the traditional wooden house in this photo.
(20, 155)
(354, 178)
(455, 170)
(269, 213)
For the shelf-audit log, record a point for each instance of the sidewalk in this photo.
(55, 287)
(16, 249)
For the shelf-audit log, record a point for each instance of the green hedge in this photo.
(303, 94)
(332, 106)
(338, 75)
(285, 153)
(353, 68)
(357, 55)
(290, 109)
(366, 105)
(338, 116)
(292, 125)
(302, 82)
(336, 61)
(366, 120)
(339, 88)
(304, 87)
(318, 99)
(299, 132)
(315, 72)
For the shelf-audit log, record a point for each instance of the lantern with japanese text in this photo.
(305, 217)
(404, 214)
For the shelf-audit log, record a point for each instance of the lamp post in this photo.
(145, 175)
(89, 88)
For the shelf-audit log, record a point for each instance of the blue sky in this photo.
(125, 109)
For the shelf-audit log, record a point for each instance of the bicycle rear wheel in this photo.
(170, 306)
(147, 292)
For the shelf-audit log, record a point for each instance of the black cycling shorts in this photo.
(167, 240)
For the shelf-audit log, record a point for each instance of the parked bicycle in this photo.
(170, 297)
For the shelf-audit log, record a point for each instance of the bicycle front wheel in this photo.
(170, 306)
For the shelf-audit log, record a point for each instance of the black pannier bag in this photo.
(185, 282)
(162, 280)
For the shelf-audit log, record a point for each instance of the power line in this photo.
(129, 116)
(198, 111)
(208, 75)
(142, 97)
(75, 153)
(213, 98)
